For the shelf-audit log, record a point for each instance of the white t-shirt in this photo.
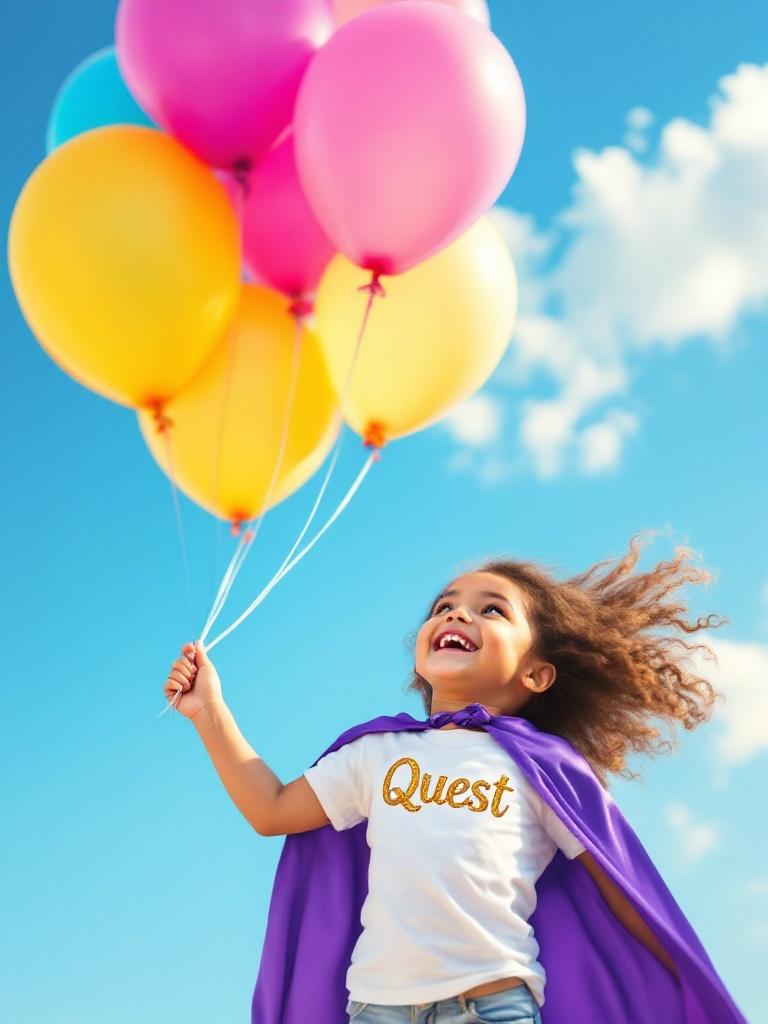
(451, 882)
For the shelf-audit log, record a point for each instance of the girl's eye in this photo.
(497, 607)
(446, 604)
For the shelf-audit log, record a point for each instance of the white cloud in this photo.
(741, 718)
(476, 421)
(649, 254)
(694, 838)
(638, 119)
(757, 886)
(600, 445)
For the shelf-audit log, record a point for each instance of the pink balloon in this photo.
(221, 77)
(283, 245)
(347, 9)
(408, 125)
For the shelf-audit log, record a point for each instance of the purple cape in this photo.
(597, 972)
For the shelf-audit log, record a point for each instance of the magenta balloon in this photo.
(347, 9)
(221, 76)
(408, 126)
(284, 244)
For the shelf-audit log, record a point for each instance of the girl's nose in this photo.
(454, 613)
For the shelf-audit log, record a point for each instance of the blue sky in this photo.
(632, 396)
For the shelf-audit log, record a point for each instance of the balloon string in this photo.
(373, 457)
(286, 568)
(374, 289)
(231, 346)
(241, 194)
(250, 535)
(245, 537)
(164, 425)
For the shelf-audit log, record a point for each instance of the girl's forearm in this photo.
(250, 782)
(625, 912)
(635, 924)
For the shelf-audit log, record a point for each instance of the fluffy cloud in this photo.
(694, 838)
(649, 254)
(477, 421)
(741, 718)
(638, 120)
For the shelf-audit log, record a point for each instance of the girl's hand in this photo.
(195, 674)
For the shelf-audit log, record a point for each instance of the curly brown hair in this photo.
(613, 674)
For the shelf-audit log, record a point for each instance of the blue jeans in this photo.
(510, 1006)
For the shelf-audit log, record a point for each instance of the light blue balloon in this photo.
(92, 96)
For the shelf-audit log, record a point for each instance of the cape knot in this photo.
(472, 715)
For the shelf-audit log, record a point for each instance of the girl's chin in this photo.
(449, 654)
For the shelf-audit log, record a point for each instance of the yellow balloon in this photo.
(125, 257)
(431, 341)
(226, 425)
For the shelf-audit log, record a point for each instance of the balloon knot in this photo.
(374, 286)
(163, 422)
(374, 437)
(235, 528)
(301, 308)
(241, 172)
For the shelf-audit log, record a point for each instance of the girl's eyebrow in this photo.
(487, 593)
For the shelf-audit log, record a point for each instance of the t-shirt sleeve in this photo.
(557, 830)
(340, 782)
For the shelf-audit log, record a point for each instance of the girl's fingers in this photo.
(180, 665)
(182, 674)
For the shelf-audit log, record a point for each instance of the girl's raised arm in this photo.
(270, 807)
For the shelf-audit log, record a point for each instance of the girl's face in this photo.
(495, 666)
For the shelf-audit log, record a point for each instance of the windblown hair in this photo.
(613, 673)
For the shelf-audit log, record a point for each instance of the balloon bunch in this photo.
(228, 192)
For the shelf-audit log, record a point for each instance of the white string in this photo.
(164, 426)
(242, 188)
(225, 579)
(249, 536)
(286, 568)
(284, 571)
(374, 288)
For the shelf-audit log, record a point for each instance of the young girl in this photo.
(472, 866)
